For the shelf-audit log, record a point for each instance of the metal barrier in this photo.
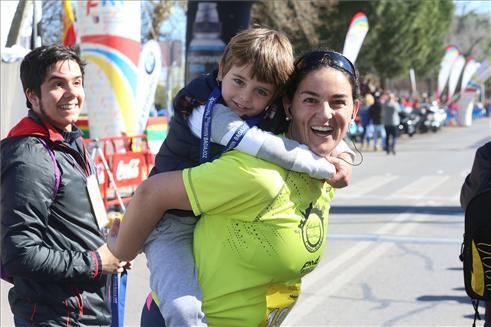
(122, 163)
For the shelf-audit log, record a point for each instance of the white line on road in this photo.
(307, 303)
(395, 239)
(420, 187)
(365, 186)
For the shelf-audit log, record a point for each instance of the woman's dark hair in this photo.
(37, 62)
(315, 59)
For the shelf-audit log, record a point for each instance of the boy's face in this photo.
(62, 95)
(245, 96)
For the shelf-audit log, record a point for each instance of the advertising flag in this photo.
(69, 35)
(148, 77)
(357, 31)
(466, 101)
(451, 54)
(469, 70)
(455, 73)
(110, 42)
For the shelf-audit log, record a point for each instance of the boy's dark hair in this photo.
(37, 62)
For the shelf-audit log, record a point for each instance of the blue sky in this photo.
(464, 6)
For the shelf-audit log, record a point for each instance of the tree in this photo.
(406, 34)
(470, 33)
(299, 20)
(153, 13)
(52, 22)
(402, 34)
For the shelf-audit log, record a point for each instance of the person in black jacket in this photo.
(375, 116)
(52, 247)
(477, 182)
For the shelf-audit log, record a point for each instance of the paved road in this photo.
(393, 242)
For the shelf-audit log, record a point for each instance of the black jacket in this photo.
(49, 245)
(479, 179)
(375, 113)
(181, 149)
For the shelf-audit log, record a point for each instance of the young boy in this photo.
(253, 69)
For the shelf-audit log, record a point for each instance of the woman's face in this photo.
(321, 109)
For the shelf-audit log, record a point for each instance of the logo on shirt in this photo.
(312, 227)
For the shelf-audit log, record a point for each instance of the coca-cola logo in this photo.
(128, 170)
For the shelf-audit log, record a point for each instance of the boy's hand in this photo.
(344, 170)
(112, 235)
(111, 264)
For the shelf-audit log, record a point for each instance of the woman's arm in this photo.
(152, 198)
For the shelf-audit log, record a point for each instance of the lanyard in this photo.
(206, 128)
(206, 125)
(118, 298)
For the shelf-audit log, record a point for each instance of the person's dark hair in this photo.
(315, 59)
(37, 62)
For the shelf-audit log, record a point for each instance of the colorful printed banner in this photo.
(466, 101)
(469, 70)
(451, 54)
(148, 77)
(357, 31)
(69, 35)
(455, 72)
(110, 43)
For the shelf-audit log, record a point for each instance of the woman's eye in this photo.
(339, 103)
(310, 100)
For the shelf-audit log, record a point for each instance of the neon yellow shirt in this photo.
(262, 228)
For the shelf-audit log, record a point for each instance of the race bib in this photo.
(280, 299)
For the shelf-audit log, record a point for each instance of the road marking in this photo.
(395, 239)
(441, 198)
(420, 187)
(365, 186)
(317, 279)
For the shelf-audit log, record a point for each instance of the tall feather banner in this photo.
(451, 54)
(465, 104)
(357, 31)
(69, 35)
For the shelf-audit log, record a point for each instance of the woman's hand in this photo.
(344, 170)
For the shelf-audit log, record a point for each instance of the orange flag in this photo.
(69, 35)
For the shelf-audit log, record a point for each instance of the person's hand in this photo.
(110, 264)
(344, 171)
(111, 241)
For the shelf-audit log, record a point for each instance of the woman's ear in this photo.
(356, 107)
(287, 106)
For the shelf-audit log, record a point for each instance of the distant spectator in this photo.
(390, 119)
(375, 115)
(367, 134)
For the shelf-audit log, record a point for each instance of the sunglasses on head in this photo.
(332, 58)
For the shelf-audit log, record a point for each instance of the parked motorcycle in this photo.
(409, 122)
(433, 118)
